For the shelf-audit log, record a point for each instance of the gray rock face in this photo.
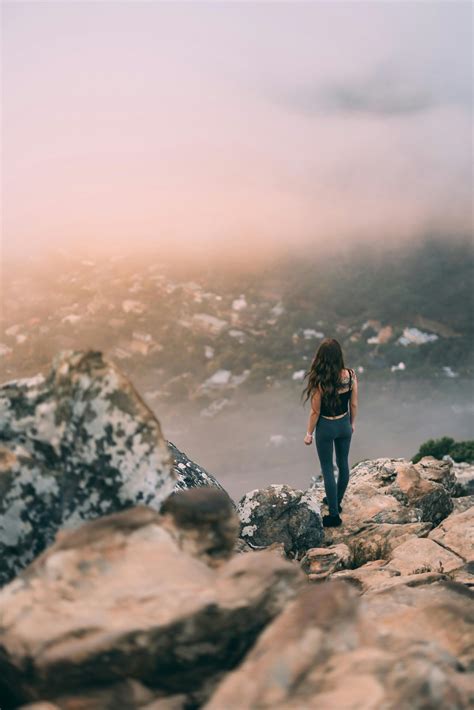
(74, 445)
(280, 513)
(190, 475)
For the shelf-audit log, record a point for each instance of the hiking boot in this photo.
(331, 521)
(325, 501)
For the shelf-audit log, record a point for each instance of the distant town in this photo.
(202, 338)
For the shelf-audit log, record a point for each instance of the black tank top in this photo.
(344, 398)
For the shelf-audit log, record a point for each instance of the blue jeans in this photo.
(339, 433)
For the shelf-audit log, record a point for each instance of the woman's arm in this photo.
(354, 400)
(313, 415)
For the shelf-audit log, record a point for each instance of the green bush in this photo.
(458, 450)
(463, 451)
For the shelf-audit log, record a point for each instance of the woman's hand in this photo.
(352, 427)
(308, 439)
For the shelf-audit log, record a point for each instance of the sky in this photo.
(210, 127)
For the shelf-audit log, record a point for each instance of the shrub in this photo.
(463, 451)
(458, 450)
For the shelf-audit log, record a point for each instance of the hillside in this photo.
(200, 335)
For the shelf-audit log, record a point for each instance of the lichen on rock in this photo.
(75, 445)
(280, 513)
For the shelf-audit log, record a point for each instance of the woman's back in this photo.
(344, 390)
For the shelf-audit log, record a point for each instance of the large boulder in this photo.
(415, 490)
(439, 471)
(76, 445)
(283, 514)
(129, 596)
(400, 648)
(456, 476)
(402, 480)
(391, 492)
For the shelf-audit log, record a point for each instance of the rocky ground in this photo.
(132, 580)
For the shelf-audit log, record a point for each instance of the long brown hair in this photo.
(325, 370)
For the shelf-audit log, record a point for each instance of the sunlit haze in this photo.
(209, 127)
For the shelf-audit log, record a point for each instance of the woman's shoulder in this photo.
(349, 373)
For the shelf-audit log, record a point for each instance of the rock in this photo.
(438, 471)
(241, 546)
(464, 575)
(378, 576)
(298, 639)
(117, 598)
(172, 702)
(376, 541)
(330, 648)
(380, 552)
(431, 498)
(190, 475)
(76, 445)
(203, 521)
(464, 473)
(389, 491)
(371, 575)
(437, 614)
(280, 513)
(320, 562)
(463, 503)
(456, 534)
(126, 695)
(423, 555)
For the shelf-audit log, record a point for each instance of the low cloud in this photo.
(387, 91)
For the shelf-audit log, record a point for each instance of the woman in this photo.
(331, 387)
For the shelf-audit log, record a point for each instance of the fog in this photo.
(398, 411)
(234, 135)
(233, 130)
(393, 421)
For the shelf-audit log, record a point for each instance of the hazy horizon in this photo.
(226, 129)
